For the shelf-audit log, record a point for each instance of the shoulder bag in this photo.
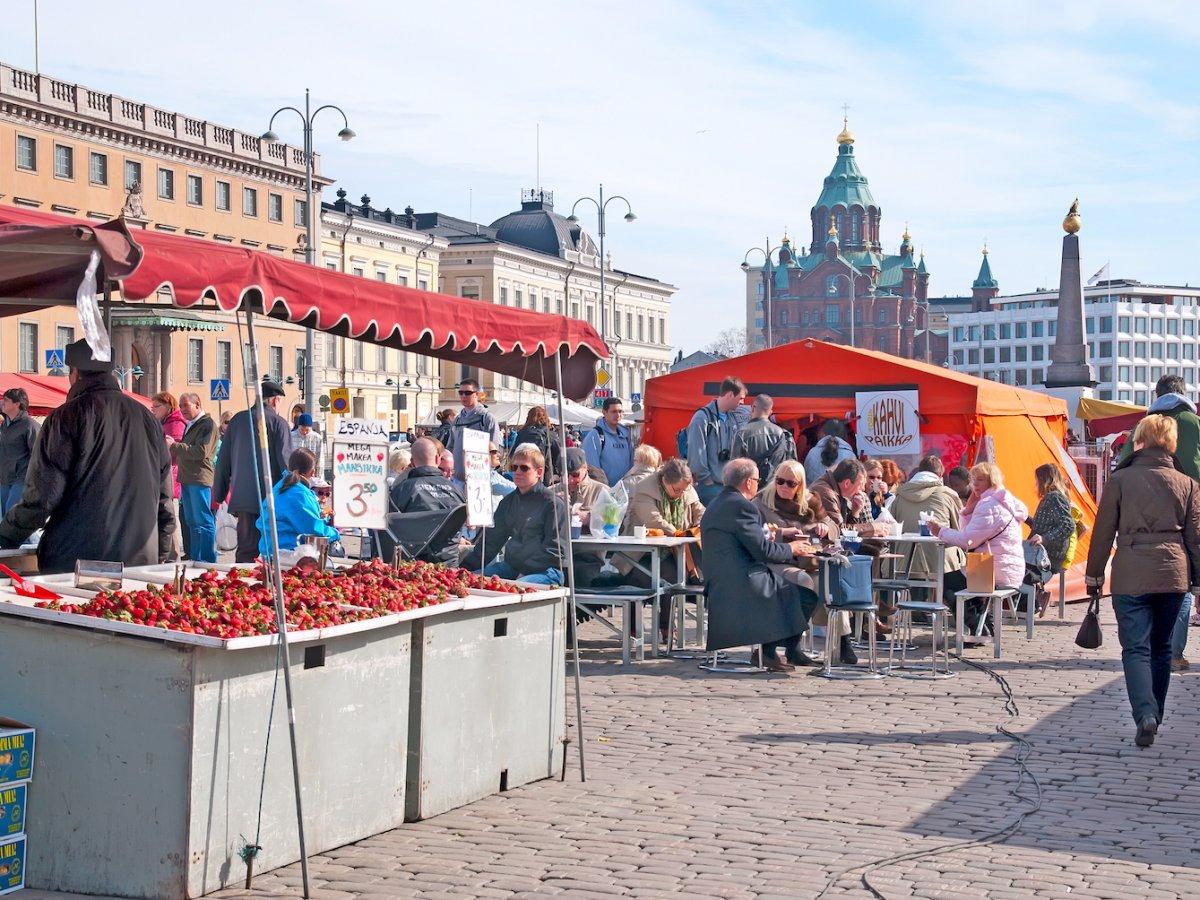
(1090, 637)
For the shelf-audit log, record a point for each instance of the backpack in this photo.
(784, 448)
(681, 436)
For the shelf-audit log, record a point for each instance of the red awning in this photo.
(47, 392)
(43, 258)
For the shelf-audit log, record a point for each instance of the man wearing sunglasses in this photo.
(474, 416)
(531, 524)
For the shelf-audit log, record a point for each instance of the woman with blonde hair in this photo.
(1152, 511)
(646, 461)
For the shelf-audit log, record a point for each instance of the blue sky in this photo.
(717, 120)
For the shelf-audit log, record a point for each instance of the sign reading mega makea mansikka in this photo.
(360, 451)
(888, 424)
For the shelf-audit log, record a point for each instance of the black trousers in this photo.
(247, 537)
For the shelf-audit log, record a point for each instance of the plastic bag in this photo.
(608, 511)
(226, 529)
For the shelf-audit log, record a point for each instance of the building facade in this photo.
(843, 287)
(68, 149)
(360, 240)
(1135, 333)
(534, 258)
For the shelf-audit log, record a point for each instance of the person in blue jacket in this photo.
(609, 446)
(296, 509)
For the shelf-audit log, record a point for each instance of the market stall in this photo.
(1102, 418)
(47, 260)
(47, 392)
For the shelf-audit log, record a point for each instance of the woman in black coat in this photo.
(538, 431)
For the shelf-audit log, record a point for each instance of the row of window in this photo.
(381, 275)
(29, 350)
(1095, 325)
(194, 190)
(834, 317)
(642, 328)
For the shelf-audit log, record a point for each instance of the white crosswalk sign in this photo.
(219, 389)
(56, 359)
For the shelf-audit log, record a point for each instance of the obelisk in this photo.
(1070, 374)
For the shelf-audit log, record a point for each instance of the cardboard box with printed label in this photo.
(12, 864)
(16, 751)
(12, 809)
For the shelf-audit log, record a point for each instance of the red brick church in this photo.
(844, 288)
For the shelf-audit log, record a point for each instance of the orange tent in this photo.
(960, 414)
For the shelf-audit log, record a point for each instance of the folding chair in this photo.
(417, 534)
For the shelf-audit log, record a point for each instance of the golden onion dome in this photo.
(847, 136)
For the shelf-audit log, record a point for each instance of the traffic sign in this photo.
(601, 393)
(635, 397)
(598, 403)
(339, 399)
(56, 358)
(602, 377)
(218, 389)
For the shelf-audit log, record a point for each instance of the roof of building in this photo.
(536, 226)
(845, 185)
(697, 358)
(984, 279)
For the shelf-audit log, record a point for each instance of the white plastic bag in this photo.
(226, 529)
(608, 510)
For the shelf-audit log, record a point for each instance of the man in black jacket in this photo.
(424, 488)
(748, 602)
(99, 480)
(531, 527)
(237, 463)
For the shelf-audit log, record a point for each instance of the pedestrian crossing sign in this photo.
(56, 358)
(218, 389)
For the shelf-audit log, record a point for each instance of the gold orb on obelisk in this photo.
(1072, 222)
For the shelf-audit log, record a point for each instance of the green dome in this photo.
(845, 185)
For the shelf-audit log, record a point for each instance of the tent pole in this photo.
(562, 481)
(276, 574)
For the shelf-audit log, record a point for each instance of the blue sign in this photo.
(635, 398)
(218, 389)
(56, 358)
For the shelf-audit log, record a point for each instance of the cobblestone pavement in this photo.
(765, 786)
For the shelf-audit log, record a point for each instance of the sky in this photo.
(716, 120)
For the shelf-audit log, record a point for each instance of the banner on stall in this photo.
(888, 423)
(478, 469)
(360, 496)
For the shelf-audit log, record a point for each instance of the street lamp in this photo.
(310, 250)
(766, 273)
(601, 205)
(849, 281)
(123, 374)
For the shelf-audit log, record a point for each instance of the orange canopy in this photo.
(960, 414)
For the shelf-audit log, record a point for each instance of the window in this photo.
(1106, 373)
(1037, 329)
(1139, 349)
(1052, 328)
(63, 335)
(1005, 354)
(1123, 373)
(1139, 374)
(300, 213)
(300, 358)
(1022, 377)
(275, 362)
(1021, 331)
(224, 359)
(958, 333)
(471, 292)
(64, 161)
(28, 346)
(381, 358)
(1091, 326)
(166, 184)
(1139, 325)
(533, 298)
(195, 361)
(833, 315)
(1105, 349)
(518, 296)
(1036, 376)
(133, 174)
(989, 332)
(380, 276)
(503, 295)
(423, 284)
(883, 317)
(831, 286)
(629, 325)
(1189, 351)
(973, 357)
(195, 190)
(783, 317)
(1020, 353)
(1157, 350)
(1005, 331)
(1172, 326)
(641, 330)
(1156, 326)
(331, 350)
(98, 169)
(224, 196)
(1037, 352)
(1106, 324)
(989, 354)
(26, 153)
(1139, 397)
(1189, 327)
(855, 227)
(1123, 348)
(250, 202)
(1126, 324)
(973, 333)
(275, 207)
(402, 280)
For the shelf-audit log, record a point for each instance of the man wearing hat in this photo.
(99, 479)
(236, 467)
(304, 438)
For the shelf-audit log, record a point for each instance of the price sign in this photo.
(477, 467)
(360, 448)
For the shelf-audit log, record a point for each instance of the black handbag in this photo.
(1090, 637)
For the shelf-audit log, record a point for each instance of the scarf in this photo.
(674, 510)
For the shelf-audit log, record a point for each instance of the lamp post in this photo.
(850, 282)
(310, 250)
(601, 205)
(123, 374)
(766, 252)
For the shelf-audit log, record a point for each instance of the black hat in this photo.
(272, 389)
(576, 459)
(79, 356)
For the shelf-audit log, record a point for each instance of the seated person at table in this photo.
(841, 490)
(926, 493)
(787, 503)
(748, 602)
(665, 501)
(423, 488)
(296, 509)
(531, 523)
(584, 488)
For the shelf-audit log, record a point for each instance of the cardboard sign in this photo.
(478, 470)
(360, 497)
(361, 431)
(888, 424)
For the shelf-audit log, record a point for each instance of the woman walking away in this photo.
(1152, 510)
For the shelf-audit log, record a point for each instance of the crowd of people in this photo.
(104, 478)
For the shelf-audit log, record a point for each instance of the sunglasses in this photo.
(494, 452)
(467, 393)
(521, 467)
(786, 482)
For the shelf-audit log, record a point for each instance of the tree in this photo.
(730, 342)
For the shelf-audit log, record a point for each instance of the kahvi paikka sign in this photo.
(888, 423)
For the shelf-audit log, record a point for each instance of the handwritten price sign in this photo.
(478, 469)
(360, 495)
(360, 431)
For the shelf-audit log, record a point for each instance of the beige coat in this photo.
(928, 495)
(646, 506)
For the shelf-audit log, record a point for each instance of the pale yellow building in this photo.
(360, 240)
(66, 148)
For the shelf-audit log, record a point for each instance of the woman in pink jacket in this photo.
(990, 521)
(166, 409)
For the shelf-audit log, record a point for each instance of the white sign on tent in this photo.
(888, 423)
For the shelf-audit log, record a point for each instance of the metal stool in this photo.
(853, 673)
(632, 602)
(718, 662)
(902, 626)
(677, 596)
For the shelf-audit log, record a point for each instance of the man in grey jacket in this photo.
(710, 437)
(762, 440)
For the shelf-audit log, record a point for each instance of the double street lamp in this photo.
(766, 251)
(307, 117)
(601, 204)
